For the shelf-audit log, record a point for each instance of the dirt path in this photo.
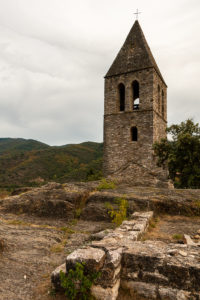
(34, 247)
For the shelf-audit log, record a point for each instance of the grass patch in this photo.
(177, 236)
(153, 222)
(78, 213)
(57, 248)
(17, 222)
(106, 185)
(73, 222)
(67, 230)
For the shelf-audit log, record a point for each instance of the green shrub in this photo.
(120, 214)
(197, 203)
(77, 282)
(177, 236)
(106, 185)
(181, 154)
(78, 213)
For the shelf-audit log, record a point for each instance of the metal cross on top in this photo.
(137, 13)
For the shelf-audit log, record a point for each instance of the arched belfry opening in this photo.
(136, 94)
(159, 98)
(134, 134)
(163, 104)
(121, 92)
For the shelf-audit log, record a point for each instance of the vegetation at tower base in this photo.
(182, 154)
(31, 163)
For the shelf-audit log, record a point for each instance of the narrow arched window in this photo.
(134, 134)
(158, 98)
(136, 94)
(121, 89)
(163, 104)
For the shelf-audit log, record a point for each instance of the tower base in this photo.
(136, 174)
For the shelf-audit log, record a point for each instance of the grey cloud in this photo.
(54, 54)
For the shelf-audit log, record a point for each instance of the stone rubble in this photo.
(149, 269)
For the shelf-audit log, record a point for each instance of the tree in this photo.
(182, 154)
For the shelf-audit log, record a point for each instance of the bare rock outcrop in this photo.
(50, 200)
(160, 200)
(63, 200)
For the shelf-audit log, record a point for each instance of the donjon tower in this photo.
(135, 114)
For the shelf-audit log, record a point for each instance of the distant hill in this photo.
(29, 162)
(8, 144)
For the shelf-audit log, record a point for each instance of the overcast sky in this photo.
(54, 54)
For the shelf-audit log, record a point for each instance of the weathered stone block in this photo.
(100, 235)
(55, 276)
(92, 257)
(101, 293)
(140, 290)
(157, 262)
(110, 272)
(142, 215)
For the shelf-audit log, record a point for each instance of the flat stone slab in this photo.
(92, 257)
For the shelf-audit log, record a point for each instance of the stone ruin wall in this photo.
(131, 269)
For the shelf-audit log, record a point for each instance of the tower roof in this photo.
(134, 55)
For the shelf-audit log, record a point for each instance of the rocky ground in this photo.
(33, 247)
(171, 229)
(40, 227)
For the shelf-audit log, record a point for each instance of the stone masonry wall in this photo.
(159, 117)
(139, 270)
(124, 159)
(105, 256)
(145, 79)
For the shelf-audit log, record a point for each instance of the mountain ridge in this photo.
(27, 162)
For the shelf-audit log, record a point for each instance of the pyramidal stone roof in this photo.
(134, 55)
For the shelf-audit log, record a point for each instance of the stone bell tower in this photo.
(135, 114)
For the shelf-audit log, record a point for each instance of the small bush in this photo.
(77, 282)
(120, 214)
(78, 213)
(106, 185)
(177, 236)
